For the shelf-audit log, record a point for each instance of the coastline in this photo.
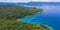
(38, 24)
(48, 27)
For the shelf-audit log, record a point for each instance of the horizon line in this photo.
(21, 2)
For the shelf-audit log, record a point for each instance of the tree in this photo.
(14, 11)
(9, 14)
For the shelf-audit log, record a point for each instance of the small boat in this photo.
(32, 19)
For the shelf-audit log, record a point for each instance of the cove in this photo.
(50, 17)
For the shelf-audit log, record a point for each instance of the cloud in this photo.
(48, 0)
(15, 0)
(29, 0)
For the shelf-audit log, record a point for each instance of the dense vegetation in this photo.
(16, 25)
(9, 14)
(14, 12)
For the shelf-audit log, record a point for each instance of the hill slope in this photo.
(9, 14)
(14, 11)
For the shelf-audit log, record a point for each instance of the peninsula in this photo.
(10, 13)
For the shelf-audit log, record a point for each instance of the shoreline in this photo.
(37, 24)
(48, 27)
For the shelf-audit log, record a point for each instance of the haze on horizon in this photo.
(29, 0)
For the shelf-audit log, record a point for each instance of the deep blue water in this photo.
(50, 16)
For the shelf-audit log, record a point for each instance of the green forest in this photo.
(10, 13)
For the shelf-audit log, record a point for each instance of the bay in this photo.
(50, 17)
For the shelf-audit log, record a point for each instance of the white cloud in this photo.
(48, 0)
(29, 0)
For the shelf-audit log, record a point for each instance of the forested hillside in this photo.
(10, 13)
(14, 11)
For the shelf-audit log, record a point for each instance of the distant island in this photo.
(32, 3)
(40, 3)
(10, 13)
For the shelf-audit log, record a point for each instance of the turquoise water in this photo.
(50, 17)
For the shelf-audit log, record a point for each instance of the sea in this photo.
(49, 17)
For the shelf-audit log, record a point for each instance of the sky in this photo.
(29, 0)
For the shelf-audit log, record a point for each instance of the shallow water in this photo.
(50, 16)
